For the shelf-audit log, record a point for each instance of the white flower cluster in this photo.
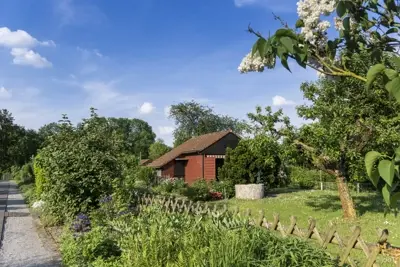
(38, 204)
(310, 12)
(251, 63)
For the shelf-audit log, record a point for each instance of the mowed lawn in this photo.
(324, 206)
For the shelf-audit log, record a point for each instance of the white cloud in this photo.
(167, 110)
(23, 56)
(101, 93)
(146, 108)
(20, 39)
(240, 3)
(73, 12)
(165, 130)
(87, 52)
(4, 93)
(281, 101)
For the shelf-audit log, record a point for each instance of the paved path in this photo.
(21, 245)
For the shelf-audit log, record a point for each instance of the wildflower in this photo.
(38, 204)
(106, 199)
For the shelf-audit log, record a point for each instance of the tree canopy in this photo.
(194, 119)
(157, 149)
(18, 145)
(138, 135)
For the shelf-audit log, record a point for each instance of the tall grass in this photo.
(154, 238)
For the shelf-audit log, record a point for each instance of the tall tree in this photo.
(363, 25)
(18, 145)
(137, 134)
(157, 149)
(48, 130)
(350, 120)
(194, 119)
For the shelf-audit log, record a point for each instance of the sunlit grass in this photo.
(324, 206)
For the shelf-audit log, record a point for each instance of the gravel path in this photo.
(21, 245)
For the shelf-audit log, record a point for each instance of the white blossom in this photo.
(254, 63)
(338, 23)
(310, 12)
(38, 204)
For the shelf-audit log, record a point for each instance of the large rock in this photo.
(249, 191)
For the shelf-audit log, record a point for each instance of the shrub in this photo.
(40, 178)
(81, 164)
(252, 161)
(23, 174)
(306, 178)
(171, 185)
(227, 188)
(147, 175)
(198, 191)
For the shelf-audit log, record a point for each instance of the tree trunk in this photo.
(349, 211)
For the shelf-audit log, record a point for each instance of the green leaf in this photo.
(375, 177)
(285, 32)
(392, 30)
(341, 9)
(299, 23)
(397, 155)
(386, 171)
(370, 160)
(391, 74)
(346, 23)
(254, 49)
(394, 199)
(396, 61)
(287, 43)
(386, 194)
(394, 88)
(373, 72)
(285, 63)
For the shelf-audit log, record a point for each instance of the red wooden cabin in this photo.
(199, 157)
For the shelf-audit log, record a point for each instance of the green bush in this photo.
(198, 191)
(154, 238)
(253, 161)
(227, 188)
(81, 164)
(29, 192)
(147, 175)
(40, 178)
(306, 178)
(171, 185)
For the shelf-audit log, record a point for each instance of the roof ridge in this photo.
(195, 144)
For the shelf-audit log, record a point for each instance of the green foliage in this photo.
(308, 178)
(171, 185)
(18, 144)
(198, 191)
(157, 149)
(253, 161)
(227, 188)
(26, 174)
(137, 135)
(155, 238)
(351, 120)
(369, 28)
(81, 165)
(40, 176)
(194, 119)
(146, 174)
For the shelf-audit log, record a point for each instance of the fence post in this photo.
(358, 188)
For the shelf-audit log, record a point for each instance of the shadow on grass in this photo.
(364, 203)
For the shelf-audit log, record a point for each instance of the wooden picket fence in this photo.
(371, 250)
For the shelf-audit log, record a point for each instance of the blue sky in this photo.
(135, 58)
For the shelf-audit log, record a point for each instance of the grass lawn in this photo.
(325, 206)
